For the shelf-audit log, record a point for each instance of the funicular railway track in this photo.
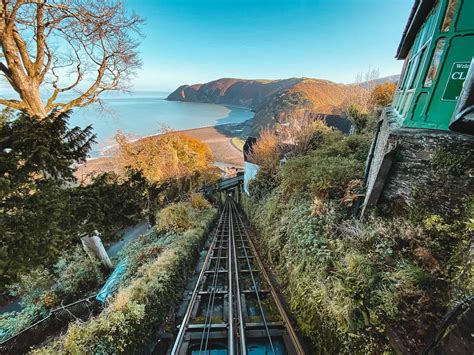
(234, 309)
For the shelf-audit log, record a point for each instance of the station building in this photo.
(432, 113)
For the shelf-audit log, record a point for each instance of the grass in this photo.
(353, 285)
(238, 143)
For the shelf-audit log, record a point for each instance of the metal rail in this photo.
(239, 314)
(240, 319)
(192, 302)
(298, 348)
(210, 304)
(254, 284)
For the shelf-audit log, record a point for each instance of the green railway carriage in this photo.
(432, 113)
(438, 47)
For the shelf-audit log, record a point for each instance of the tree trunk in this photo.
(27, 86)
(34, 102)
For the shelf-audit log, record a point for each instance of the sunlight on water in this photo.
(144, 113)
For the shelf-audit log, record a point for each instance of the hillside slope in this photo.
(250, 93)
(272, 100)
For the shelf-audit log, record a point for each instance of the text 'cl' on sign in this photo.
(455, 81)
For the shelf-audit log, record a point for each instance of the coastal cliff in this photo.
(249, 93)
(273, 101)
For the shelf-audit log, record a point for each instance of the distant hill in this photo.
(272, 100)
(250, 93)
(390, 79)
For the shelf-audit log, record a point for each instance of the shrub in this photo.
(199, 201)
(352, 284)
(32, 286)
(265, 152)
(76, 276)
(14, 322)
(305, 133)
(174, 218)
(325, 172)
(73, 277)
(144, 302)
(381, 96)
(321, 176)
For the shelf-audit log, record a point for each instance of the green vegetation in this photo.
(174, 218)
(449, 163)
(356, 287)
(43, 212)
(73, 277)
(159, 264)
(238, 143)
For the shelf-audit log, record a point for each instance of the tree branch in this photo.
(47, 66)
(40, 39)
(23, 50)
(15, 104)
(93, 43)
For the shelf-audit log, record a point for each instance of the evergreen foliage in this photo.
(42, 211)
(32, 151)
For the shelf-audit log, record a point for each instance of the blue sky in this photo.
(191, 41)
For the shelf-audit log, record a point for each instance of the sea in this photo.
(144, 113)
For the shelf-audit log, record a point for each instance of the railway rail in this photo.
(234, 308)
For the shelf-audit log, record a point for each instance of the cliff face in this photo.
(273, 101)
(250, 93)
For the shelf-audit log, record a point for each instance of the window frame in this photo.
(416, 62)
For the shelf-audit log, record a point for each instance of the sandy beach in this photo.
(220, 143)
(218, 138)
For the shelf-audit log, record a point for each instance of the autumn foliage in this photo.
(265, 152)
(381, 96)
(172, 155)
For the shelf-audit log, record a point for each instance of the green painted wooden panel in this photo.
(466, 17)
(438, 112)
(432, 106)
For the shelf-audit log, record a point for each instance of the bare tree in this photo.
(79, 47)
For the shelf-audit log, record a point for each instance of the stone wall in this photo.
(414, 167)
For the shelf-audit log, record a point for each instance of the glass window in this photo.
(416, 73)
(403, 75)
(407, 103)
(448, 17)
(433, 69)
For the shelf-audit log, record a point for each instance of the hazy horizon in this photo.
(9, 90)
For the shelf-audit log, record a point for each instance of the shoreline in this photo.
(219, 139)
(250, 109)
(223, 128)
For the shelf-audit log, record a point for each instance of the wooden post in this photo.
(95, 249)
